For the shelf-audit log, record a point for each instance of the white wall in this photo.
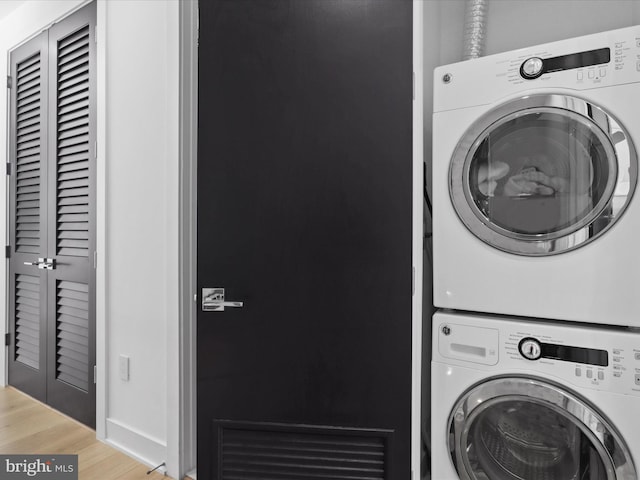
(141, 221)
(516, 24)
(137, 215)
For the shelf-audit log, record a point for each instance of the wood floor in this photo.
(29, 427)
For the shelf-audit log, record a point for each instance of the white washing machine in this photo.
(516, 400)
(534, 171)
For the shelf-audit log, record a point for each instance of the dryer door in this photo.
(543, 174)
(530, 429)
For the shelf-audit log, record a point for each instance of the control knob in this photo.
(531, 68)
(530, 348)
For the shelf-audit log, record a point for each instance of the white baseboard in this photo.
(143, 448)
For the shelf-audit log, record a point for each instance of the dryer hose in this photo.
(474, 28)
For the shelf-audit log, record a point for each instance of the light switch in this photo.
(124, 368)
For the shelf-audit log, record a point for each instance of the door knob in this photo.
(213, 300)
(43, 263)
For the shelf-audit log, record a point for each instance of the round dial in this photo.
(531, 68)
(530, 348)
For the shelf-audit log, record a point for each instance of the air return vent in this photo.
(267, 452)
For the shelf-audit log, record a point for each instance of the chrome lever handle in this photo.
(213, 300)
(43, 263)
(218, 305)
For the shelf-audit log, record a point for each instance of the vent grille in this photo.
(27, 318)
(72, 334)
(28, 150)
(291, 455)
(73, 148)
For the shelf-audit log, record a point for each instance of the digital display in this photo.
(577, 60)
(588, 356)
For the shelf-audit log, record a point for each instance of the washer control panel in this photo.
(599, 361)
(587, 356)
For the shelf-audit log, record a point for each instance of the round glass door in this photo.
(542, 175)
(527, 429)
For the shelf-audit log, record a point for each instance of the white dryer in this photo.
(518, 400)
(534, 171)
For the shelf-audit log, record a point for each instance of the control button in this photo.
(638, 65)
(531, 68)
(637, 42)
(591, 73)
(578, 372)
(600, 375)
(589, 373)
(637, 378)
(637, 355)
(580, 74)
(530, 348)
(603, 72)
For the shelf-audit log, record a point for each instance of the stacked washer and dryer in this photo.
(536, 231)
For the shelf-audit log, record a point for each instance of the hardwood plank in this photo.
(30, 427)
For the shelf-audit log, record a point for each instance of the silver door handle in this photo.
(43, 263)
(213, 300)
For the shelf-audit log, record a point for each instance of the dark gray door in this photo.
(304, 215)
(28, 217)
(52, 217)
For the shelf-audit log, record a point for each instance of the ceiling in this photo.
(8, 6)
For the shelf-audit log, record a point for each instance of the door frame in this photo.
(418, 236)
(185, 433)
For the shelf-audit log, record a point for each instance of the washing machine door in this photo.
(530, 429)
(542, 174)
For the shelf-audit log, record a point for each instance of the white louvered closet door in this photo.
(66, 239)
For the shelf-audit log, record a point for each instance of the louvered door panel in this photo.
(28, 215)
(73, 145)
(72, 349)
(28, 149)
(27, 320)
(71, 217)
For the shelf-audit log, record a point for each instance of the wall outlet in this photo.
(124, 368)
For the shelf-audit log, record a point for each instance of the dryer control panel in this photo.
(584, 63)
(581, 355)
(534, 67)
(615, 60)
